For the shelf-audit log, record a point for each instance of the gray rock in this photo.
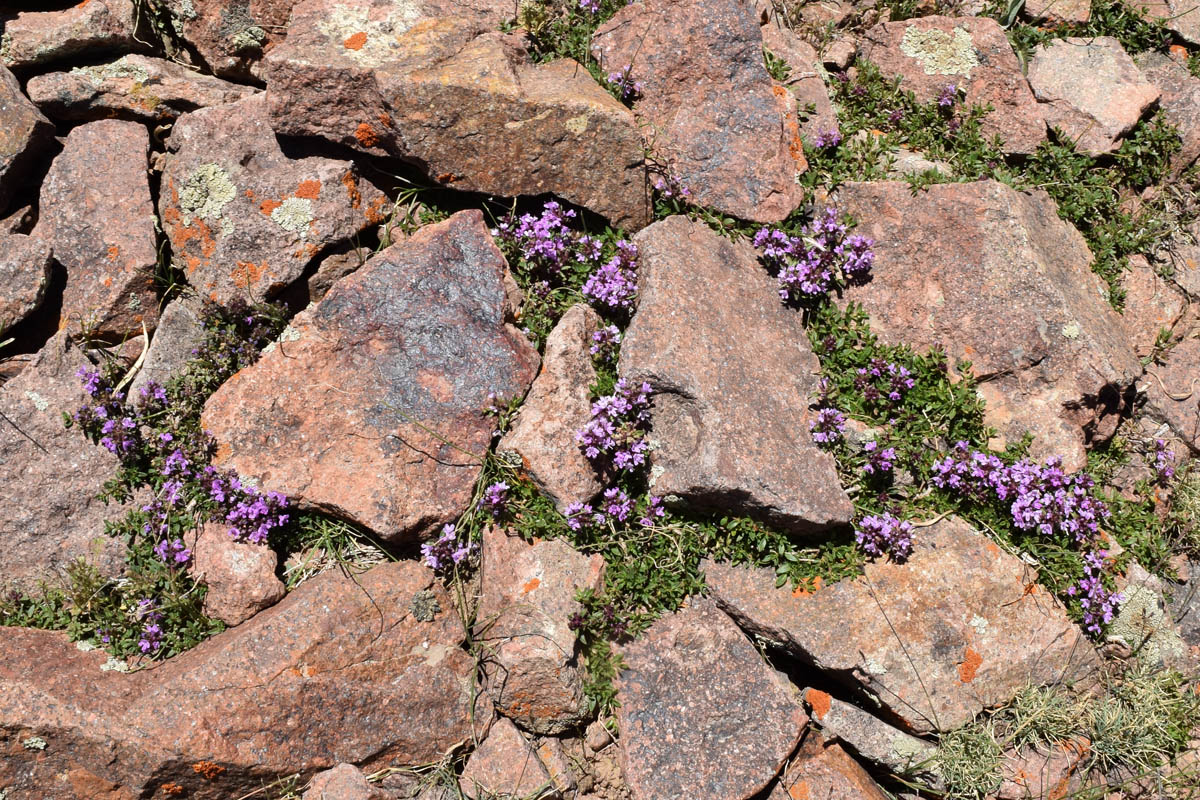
(24, 135)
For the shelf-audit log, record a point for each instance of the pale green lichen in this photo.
(343, 22)
(249, 38)
(1071, 330)
(940, 53)
(205, 193)
(5, 46)
(39, 402)
(121, 68)
(1143, 625)
(34, 743)
(424, 606)
(114, 665)
(294, 214)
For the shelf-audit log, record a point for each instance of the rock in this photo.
(180, 331)
(972, 53)
(720, 124)
(559, 404)
(343, 782)
(24, 276)
(1059, 11)
(805, 80)
(822, 769)
(700, 713)
(1180, 102)
(89, 28)
(240, 576)
(872, 738)
(50, 476)
(333, 268)
(1091, 89)
(527, 599)
(1152, 305)
(840, 53)
(732, 377)
(371, 405)
(1184, 254)
(959, 627)
(24, 135)
(1144, 624)
(504, 765)
(1170, 390)
(19, 221)
(1185, 609)
(909, 162)
(432, 83)
(244, 217)
(557, 761)
(1179, 16)
(132, 87)
(231, 36)
(339, 672)
(97, 216)
(998, 279)
(1047, 772)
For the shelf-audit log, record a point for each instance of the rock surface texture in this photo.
(823, 769)
(718, 123)
(24, 275)
(998, 279)
(89, 28)
(240, 576)
(1180, 102)
(386, 381)
(732, 377)
(24, 134)
(985, 628)
(504, 765)
(1171, 394)
(231, 37)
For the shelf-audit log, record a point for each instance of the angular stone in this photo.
(371, 405)
(132, 87)
(823, 769)
(97, 216)
(959, 627)
(341, 671)
(24, 275)
(1181, 17)
(504, 765)
(996, 278)
(50, 475)
(558, 764)
(1180, 102)
(1091, 89)
(343, 782)
(732, 376)
(559, 405)
(527, 599)
(1077, 11)
(972, 53)
(244, 217)
(88, 28)
(231, 36)
(1144, 623)
(1152, 305)
(720, 124)
(240, 576)
(701, 714)
(418, 81)
(1046, 772)
(24, 134)
(1171, 391)
(805, 80)
(180, 331)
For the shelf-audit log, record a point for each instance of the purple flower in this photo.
(670, 186)
(91, 380)
(627, 88)
(654, 511)
(884, 533)
(878, 461)
(545, 241)
(828, 426)
(810, 265)
(1098, 603)
(495, 498)
(605, 342)
(1164, 461)
(948, 95)
(173, 552)
(617, 504)
(614, 284)
(614, 436)
(830, 138)
(590, 6)
(579, 516)
(881, 380)
(447, 550)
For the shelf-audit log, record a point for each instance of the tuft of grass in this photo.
(317, 543)
(969, 760)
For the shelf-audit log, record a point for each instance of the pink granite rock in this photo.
(1181, 17)
(1058, 11)
(1152, 305)
(823, 769)
(88, 28)
(504, 765)
(240, 576)
(1180, 102)
(231, 35)
(805, 80)
(24, 275)
(24, 135)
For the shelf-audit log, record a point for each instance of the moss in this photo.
(205, 193)
(294, 214)
(940, 53)
(424, 606)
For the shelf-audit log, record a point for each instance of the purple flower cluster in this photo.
(948, 96)
(627, 88)
(615, 435)
(670, 186)
(251, 514)
(605, 342)
(829, 138)
(812, 264)
(150, 617)
(447, 550)
(616, 507)
(828, 426)
(495, 499)
(614, 283)
(655, 510)
(884, 533)
(1097, 602)
(109, 421)
(547, 241)
(173, 551)
(878, 461)
(882, 380)
(590, 6)
(1164, 461)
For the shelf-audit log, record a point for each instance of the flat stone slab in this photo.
(823, 769)
(1090, 88)
(701, 714)
(959, 627)
(996, 278)
(371, 406)
(504, 765)
(732, 377)
(1171, 391)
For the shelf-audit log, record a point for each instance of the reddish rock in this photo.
(343, 782)
(959, 627)
(972, 53)
(996, 278)
(333, 268)
(240, 576)
(504, 765)
(24, 134)
(49, 475)
(1152, 305)
(341, 671)
(180, 331)
(372, 405)
(805, 80)
(1047, 772)
(1059, 11)
(244, 218)
(89, 28)
(433, 83)
(1183, 254)
(1171, 391)
(527, 599)
(823, 769)
(732, 376)
(1091, 90)
(715, 117)
(231, 36)
(559, 764)
(132, 87)
(1180, 102)
(701, 714)
(24, 275)
(97, 216)
(1181, 17)
(559, 405)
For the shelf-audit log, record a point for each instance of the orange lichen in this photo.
(247, 273)
(208, 769)
(114, 252)
(268, 206)
(309, 190)
(355, 41)
(374, 212)
(532, 584)
(800, 791)
(352, 189)
(969, 666)
(366, 135)
(171, 789)
(820, 701)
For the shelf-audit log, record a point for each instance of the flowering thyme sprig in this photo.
(823, 257)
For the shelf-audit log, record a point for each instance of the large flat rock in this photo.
(732, 377)
(959, 627)
(1171, 391)
(371, 407)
